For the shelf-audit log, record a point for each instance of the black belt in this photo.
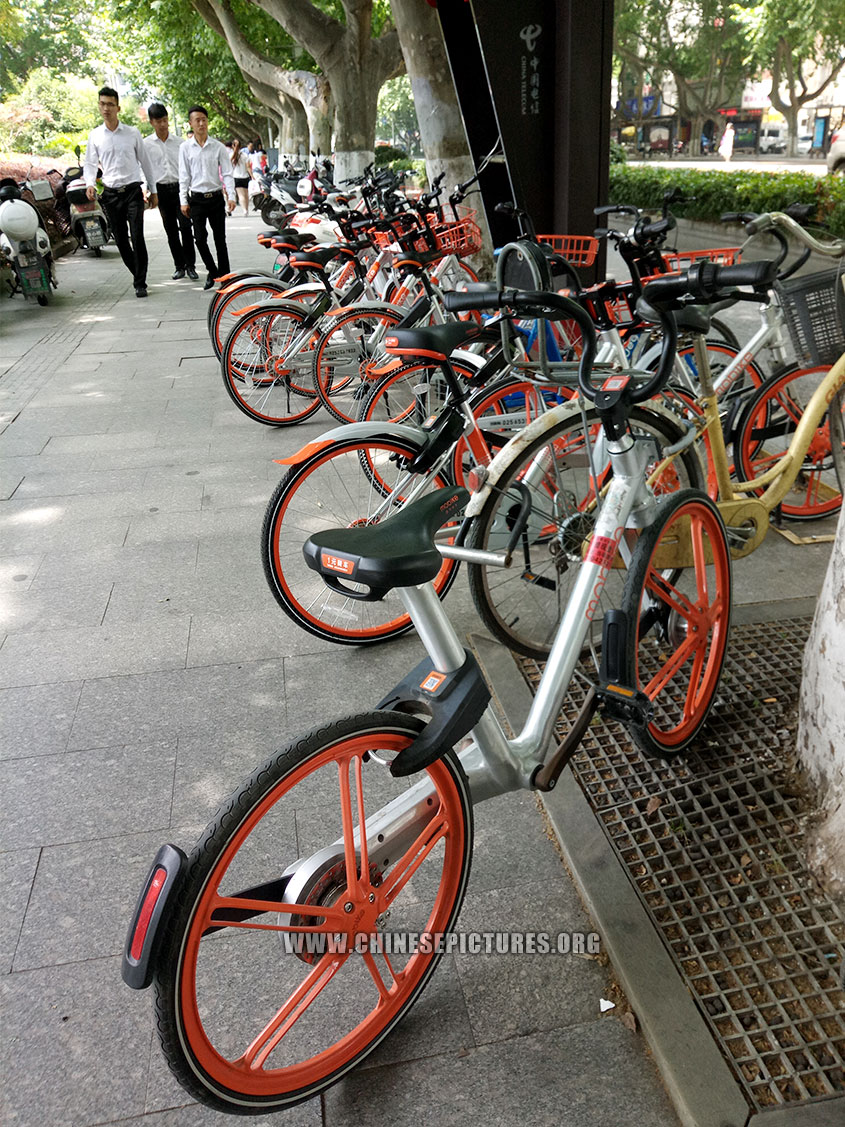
(125, 188)
(204, 195)
(168, 184)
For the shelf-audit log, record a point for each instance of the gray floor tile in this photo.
(95, 443)
(138, 596)
(512, 845)
(37, 720)
(86, 795)
(9, 482)
(509, 995)
(56, 534)
(18, 572)
(103, 651)
(218, 700)
(547, 1080)
(88, 568)
(175, 496)
(160, 527)
(250, 636)
(54, 607)
(17, 872)
(76, 1046)
(169, 458)
(56, 485)
(83, 898)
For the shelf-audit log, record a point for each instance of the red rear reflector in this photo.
(145, 915)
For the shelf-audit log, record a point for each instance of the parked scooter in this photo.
(277, 196)
(25, 256)
(85, 219)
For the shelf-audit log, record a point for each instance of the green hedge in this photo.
(718, 190)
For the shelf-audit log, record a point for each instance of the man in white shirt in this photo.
(163, 147)
(206, 187)
(119, 151)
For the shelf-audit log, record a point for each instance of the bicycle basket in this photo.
(462, 237)
(814, 316)
(682, 260)
(579, 250)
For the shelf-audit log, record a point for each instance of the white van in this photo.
(772, 139)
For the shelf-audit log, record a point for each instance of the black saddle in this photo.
(398, 552)
(318, 258)
(435, 342)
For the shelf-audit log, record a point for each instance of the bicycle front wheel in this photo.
(266, 365)
(767, 427)
(543, 508)
(347, 354)
(279, 971)
(360, 481)
(678, 602)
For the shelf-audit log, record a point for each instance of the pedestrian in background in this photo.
(242, 173)
(120, 152)
(726, 145)
(164, 153)
(203, 163)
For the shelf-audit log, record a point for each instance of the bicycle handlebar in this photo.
(770, 221)
(555, 307)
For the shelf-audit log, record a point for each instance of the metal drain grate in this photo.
(718, 865)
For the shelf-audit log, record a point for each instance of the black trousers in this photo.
(177, 227)
(125, 212)
(213, 210)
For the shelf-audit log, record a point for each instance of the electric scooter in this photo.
(85, 219)
(26, 260)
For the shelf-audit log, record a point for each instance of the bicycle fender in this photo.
(455, 702)
(367, 307)
(537, 427)
(142, 941)
(352, 432)
(276, 304)
(513, 447)
(232, 286)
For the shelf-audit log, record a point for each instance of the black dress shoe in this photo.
(191, 272)
(140, 291)
(209, 282)
(177, 274)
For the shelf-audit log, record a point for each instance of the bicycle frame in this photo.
(495, 764)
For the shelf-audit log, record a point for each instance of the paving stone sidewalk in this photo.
(145, 670)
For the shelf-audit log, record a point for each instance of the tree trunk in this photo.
(355, 89)
(821, 723)
(442, 133)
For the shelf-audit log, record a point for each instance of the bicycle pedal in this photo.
(621, 702)
(738, 536)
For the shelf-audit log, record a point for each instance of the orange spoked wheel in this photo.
(767, 427)
(678, 601)
(347, 356)
(341, 484)
(305, 929)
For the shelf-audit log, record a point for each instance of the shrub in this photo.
(387, 154)
(617, 153)
(716, 191)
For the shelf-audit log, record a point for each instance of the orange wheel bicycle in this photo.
(678, 601)
(348, 356)
(280, 969)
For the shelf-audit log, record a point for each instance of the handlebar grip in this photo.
(618, 209)
(706, 281)
(651, 231)
(461, 302)
(737, 217)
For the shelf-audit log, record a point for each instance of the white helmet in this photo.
(18, 220)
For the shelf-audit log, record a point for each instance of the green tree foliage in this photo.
(802, 44)
(702, 44)
(67, 36)
(397, 115)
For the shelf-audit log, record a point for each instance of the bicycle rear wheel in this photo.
(543, 506)
(279, 971)
(766, 428)
(351, 347)
(241, 296)
(360, 481)
(678, 602)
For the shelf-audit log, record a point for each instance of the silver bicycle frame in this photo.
(493, 763)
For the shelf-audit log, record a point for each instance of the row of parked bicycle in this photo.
(444, 405)
(601, 513)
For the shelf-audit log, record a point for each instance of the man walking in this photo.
(163, 147)
(119, 151)
(203, 164)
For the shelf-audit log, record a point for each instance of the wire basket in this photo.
(579, 250)
(813, 309)
(462, 237)
(682, 260)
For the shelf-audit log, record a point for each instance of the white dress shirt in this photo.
(165, 158)
(121, 155)
(242, 168)
(201, 168)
